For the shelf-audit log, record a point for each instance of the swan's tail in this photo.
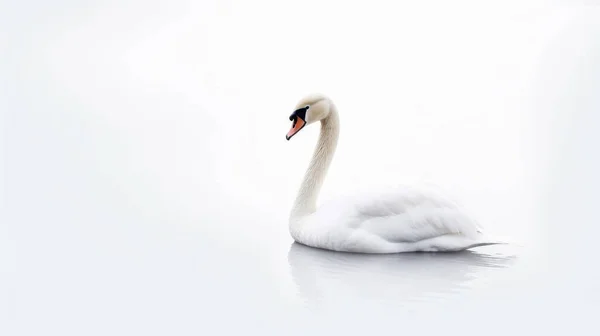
(496, 240)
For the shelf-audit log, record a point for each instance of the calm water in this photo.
(146, 183)
(95, 272)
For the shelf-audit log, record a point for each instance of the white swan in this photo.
(398, 220)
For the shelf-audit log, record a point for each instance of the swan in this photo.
(401, 219)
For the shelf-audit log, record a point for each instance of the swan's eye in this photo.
(299, 113)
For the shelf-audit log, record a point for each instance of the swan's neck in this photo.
(306, 200)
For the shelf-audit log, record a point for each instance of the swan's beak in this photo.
(298, 124)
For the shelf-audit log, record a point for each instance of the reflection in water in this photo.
(323, 275)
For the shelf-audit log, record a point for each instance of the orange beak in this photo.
(296, 127)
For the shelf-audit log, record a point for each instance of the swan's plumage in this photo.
(401, 219)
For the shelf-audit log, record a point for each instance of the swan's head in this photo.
(309, 109)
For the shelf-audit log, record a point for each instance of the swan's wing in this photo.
(410, 215)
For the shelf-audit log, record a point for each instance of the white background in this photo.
(147, 182)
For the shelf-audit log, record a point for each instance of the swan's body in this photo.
(398, 220)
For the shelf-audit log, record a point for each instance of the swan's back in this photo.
(397, 220)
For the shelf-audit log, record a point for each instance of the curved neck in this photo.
(306, 200)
